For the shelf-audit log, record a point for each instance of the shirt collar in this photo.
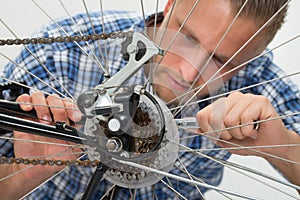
(151, 19)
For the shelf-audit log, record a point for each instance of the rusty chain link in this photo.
(51, 40)
(43, 162)
(60, 39)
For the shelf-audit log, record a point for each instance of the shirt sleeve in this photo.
(283, 94)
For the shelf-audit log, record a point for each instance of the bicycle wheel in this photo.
(105, 52)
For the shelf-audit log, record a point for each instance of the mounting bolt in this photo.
(114, 144)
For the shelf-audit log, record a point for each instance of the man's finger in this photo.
(41, 107)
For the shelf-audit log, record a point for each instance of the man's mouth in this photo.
(176, 84)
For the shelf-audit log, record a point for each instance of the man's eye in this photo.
(187, 37)
(190, 40)
(218, 60)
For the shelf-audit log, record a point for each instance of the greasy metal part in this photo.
(60, 39)
(145, 132)
(129, 132)
(114, 144)
(142, 139)
(49, 162)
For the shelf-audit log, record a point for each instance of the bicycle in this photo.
(117, 142)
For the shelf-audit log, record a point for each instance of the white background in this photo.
(23, 17)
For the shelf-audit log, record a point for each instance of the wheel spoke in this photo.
(232, 70)
(88, 49)
(231, 165)
(179, 178)
(207, 134)
(232, 57)
(95, 59)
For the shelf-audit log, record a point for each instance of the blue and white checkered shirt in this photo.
(77, 72)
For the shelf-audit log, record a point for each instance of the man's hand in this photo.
(50, 109)
(238, 110)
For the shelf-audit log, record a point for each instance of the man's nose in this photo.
(189, 72)
(194, 64)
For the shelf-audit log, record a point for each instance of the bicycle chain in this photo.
(142, 144)
(51, 40)
(86, 163)
(60, 39)
(43, 162)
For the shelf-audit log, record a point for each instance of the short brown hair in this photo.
(261, 11)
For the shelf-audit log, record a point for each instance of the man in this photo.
(206, 25)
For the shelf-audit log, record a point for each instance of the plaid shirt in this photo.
(77, 72)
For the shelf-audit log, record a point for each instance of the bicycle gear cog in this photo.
(150, 138)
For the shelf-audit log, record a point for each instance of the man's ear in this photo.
(168, 6)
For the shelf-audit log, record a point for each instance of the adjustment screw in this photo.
(131, 49)
(101, 89)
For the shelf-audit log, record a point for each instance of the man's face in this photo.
(186, 60)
